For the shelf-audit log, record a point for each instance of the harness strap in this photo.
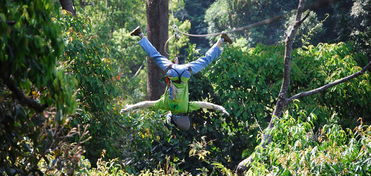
(168, 68)
(179, 76)
(167, 80)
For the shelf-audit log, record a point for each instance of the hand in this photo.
(123, 111)
(225, 112)
(126, 109)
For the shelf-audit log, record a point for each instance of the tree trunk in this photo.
(68, 5)
(282, 96)
(158, 25)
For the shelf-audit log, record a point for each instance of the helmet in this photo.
(181, 121)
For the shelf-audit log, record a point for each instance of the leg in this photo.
(203, 62)
(212, 54)
(160, 60)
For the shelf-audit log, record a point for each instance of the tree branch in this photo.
(282, 96)
(9, 22)
(324, 87)
(21, 97)
(17, 93)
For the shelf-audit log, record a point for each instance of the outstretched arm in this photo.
(143, 104)
(208, 105)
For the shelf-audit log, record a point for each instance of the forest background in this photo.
(65, 76)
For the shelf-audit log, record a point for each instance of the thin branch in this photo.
(21, 97)
(9, 22)
(305, 17)
(322, 88)
(17, 93)
(137, 72)
(282, 96)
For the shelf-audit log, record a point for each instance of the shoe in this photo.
(226, 38)
(136, 32)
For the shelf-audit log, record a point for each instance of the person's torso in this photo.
(177, 93)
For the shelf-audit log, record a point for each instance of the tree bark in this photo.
(68, 5)
(157, 28)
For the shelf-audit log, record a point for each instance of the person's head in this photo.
(181, 121)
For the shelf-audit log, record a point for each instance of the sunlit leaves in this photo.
(296, 149)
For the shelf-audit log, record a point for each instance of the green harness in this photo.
(176, 100)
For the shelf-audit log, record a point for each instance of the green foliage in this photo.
(131, 60)
(224, 15)
(326, 63)
(330, 150)
(178, 41)
(346, 21)
(105, 60)
(360, 24)
(39, 37)
(88, 59)
(30, 45)
(310, 31)
(111, 15)
(248, 82)
(53, 57)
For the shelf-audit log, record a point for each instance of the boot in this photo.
(136, 32)
(226, 38)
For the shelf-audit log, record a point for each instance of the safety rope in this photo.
(167, 41)
(263, 22)
(177, 32)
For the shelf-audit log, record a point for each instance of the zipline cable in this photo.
(263, 22)
(177, 32)
(316, 5)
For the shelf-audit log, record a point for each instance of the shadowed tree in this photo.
(157, 27)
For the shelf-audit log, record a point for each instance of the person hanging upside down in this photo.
(176, 97)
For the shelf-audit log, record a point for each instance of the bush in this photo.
(29, 48)
(297, 149)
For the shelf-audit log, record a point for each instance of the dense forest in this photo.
(295, 81)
